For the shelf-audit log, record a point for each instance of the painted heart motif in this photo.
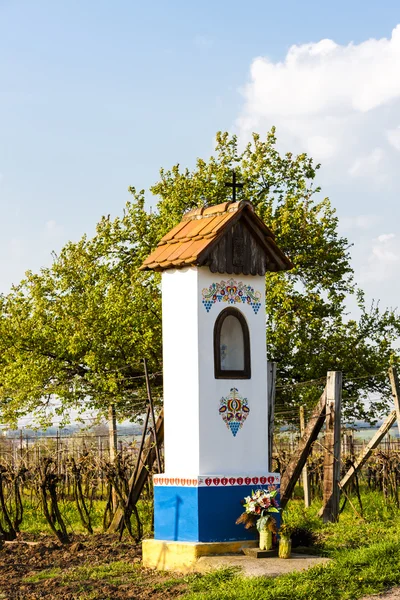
(232, 480)
(183, 481)
(208, 481)
(247, 480)
(263, 480)
(177, 481)
(239, 480)
(216, 481)
(194, 481)
(224, 481)
(271, 479)
(255, 480)
(166, 481)
(161, 480)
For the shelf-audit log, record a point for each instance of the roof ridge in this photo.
(216, 210)
(192, 240)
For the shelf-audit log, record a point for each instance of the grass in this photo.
(350, 576)
(35, 523)
(114, 572)
(365, 555)
(42, 575)
(364, 552)
(105, 572)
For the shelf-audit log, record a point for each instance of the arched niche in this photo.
(231, 345)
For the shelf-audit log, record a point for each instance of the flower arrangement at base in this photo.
(258, 510)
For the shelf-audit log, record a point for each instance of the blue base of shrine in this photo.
(201, 514)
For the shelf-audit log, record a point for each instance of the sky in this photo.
(96, 96)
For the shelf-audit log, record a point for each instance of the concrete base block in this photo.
(182, 556)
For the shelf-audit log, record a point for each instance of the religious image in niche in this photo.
(234, 410)
(232, 345)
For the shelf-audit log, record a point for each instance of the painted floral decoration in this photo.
(234, 410)
(231, 292)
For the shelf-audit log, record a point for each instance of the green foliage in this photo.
(78, 330)
(308, 331)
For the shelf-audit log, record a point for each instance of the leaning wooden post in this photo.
(298, 459)
(306, 479)
(394, 380)
(331, 493)
(113, 446)
(271, 382)
(367, 451)
(151, 405)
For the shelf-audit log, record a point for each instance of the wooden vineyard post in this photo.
(271, 382)
(306, 479)
(112, 433)
(331, 492)
(113, 446)
(394, 381)
(142, 472)
(298, 460)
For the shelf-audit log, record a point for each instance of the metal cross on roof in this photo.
(234, 185)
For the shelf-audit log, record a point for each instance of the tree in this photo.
(308, 332)
(79, 329)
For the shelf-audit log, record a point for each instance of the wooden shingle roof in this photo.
(229, 238)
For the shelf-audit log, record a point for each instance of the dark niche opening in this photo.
(231, 345)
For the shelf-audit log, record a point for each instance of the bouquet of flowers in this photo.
(259, 508)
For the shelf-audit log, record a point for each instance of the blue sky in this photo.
(97, 96)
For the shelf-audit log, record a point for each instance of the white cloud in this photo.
(393, 136)
(363, 222)
(336, 102)
(385, 237)
(383, 260)
(324, 77)
(341, 105)
(368, 164)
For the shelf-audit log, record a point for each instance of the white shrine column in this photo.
(213, 267)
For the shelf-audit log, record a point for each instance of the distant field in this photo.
(368, 432)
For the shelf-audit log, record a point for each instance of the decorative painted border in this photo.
(217, 481)
(231, 292)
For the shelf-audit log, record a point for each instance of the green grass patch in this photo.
(114, 572)
(105, 572)
(34, 521)
(42, 575)
(349, 576)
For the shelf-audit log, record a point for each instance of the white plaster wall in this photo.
(197, 440)
(220, 451)
(181, 375)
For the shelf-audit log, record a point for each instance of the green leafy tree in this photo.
(79, 330)
(308, 331)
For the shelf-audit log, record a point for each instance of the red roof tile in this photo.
(188, 242)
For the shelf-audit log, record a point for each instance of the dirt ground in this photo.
(95, 568)
(91, 568)
(391, 595)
